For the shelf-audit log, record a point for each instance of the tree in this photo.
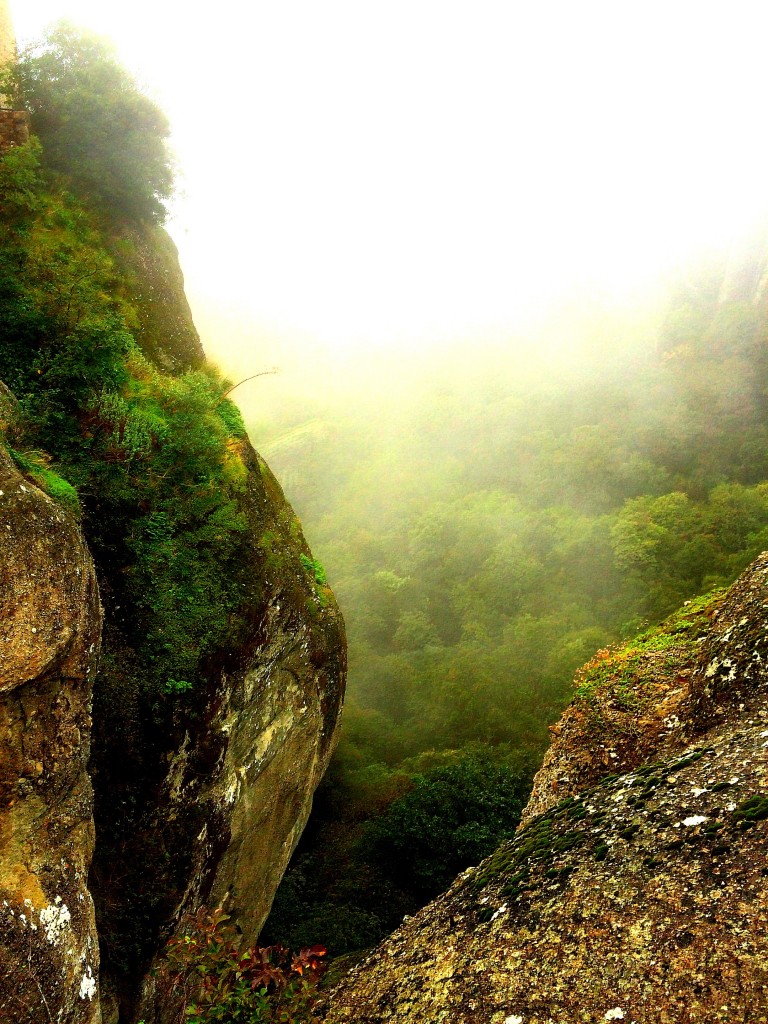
(95, 125)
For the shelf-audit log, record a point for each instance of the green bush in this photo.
(34, 465)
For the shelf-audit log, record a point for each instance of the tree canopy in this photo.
(95, 125)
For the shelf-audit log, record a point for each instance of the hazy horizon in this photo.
(410, 177)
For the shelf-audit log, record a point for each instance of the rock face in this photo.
(238, 788)
(636, 891)
(149, 262)
(50, 622)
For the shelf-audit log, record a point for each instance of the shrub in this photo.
(215, 980)
(34, 466)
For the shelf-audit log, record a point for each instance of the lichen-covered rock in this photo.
(642, 896)
(239, 788)
(50, 622)
(630, 702)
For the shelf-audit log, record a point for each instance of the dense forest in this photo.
(486, 533)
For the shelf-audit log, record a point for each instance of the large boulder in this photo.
(50, 622)
(636, 891)
(238, 788)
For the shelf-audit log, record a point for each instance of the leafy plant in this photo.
(175, 687)
(214, 979)
(313, 566)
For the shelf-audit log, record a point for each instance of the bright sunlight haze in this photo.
(399, 174)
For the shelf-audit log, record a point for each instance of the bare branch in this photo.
(264, 373)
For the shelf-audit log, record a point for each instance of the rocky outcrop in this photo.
(149, 263)
(637, 892)
(14, 128)
(50, 622)
(238, 786)
(632, 702)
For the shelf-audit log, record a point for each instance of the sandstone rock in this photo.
(639, 896)
(50, 622)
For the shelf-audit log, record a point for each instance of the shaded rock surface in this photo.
(238, 788)
(50, 621)
(637, 892)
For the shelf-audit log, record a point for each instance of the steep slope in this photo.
(635, 895)
(50, 622)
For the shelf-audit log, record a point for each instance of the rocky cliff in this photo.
(217, 694)
(50, 625)
(635, 889)
(238, 789)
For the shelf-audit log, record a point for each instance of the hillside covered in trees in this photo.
(487, 529)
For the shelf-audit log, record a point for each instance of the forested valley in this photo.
(487, 528)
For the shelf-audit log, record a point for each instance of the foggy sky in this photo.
(404, 173)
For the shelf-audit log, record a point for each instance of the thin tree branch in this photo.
(264, 373)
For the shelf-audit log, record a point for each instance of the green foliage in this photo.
(213, 979)
(163, 441)
(388, 839)
(35, 466)
(676, 546)
(96, 127)
(175, 687)
(315, 568)
(454, 817)
(64, 337)
(231, 417)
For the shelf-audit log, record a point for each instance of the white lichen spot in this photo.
(88, 985)
(513, 1019)
(697, 791)
(615, 1014)
(54, 918)
(695, 819)
(502, 910)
